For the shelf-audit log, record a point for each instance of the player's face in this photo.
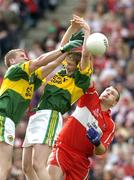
(71, 65)
(109, 96)
(21, 57)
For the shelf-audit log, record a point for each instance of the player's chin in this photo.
(103, 99)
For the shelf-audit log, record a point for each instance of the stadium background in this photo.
(38, 25)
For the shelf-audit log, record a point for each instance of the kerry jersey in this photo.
(73, 134)
(63, 90)
(17, 90)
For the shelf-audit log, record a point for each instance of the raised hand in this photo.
(74, 25)
(82, 23)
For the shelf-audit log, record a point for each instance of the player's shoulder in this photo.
(91, 89)
(12, 69)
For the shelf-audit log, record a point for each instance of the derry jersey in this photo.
(17, 90)
(63, 90)
(73, 134)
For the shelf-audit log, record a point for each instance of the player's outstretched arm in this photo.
(51, 66)
(46, 70)
(86, 58)
(44, 59)
(52, 56)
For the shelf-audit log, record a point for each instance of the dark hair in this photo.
(118, 97)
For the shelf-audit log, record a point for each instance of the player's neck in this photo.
(104, 107)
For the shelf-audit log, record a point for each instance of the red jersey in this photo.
(73, 134)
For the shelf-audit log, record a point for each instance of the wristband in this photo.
(97, 143)
(62, 50)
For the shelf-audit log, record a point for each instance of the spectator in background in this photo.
(36, 50)
(81, 8)
(5, 43)
(9, 28)
(50, 40)
(52, 4)
(33, 11)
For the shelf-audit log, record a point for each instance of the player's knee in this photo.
(54, 173)
(51, 173)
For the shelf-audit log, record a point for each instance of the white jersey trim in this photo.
(57, 159)
(110, 134)
(85, 117)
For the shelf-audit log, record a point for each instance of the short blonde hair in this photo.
(11, 54)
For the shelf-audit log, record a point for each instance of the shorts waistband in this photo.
(47, 110)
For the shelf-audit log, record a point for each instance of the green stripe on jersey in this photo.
(2, 128)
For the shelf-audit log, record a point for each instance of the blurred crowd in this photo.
(114, 18)
(17, 16)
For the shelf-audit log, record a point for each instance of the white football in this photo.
(97, 44)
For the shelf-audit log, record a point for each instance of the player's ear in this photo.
(12, 61)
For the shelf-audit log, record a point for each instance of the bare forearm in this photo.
(51, 66)
(49, 57)
(44, 59)
(68, 35)
(86, 57)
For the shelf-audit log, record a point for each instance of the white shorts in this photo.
(43, 128)
(7, 130)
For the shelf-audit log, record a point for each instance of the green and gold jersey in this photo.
(17, 90)
(63, 90)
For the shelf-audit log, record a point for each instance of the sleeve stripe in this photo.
(87, 71)
(110, 134)
(91, 93)
(25, 67)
